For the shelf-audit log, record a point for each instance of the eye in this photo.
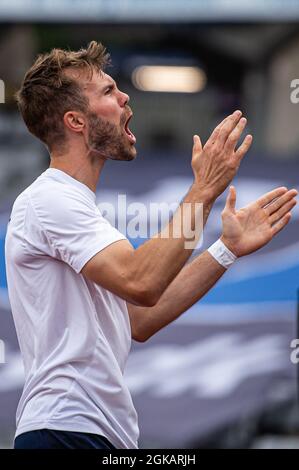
(108, 90)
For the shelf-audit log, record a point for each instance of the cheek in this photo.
(108, 110)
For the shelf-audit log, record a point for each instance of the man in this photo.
(78, 290)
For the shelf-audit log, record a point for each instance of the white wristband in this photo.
(222, 254)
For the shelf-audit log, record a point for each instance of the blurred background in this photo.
(220, 376)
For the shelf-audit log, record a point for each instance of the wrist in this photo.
(203, 193)
(230, 246)
(222, 254)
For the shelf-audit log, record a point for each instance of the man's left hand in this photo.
(250, 228)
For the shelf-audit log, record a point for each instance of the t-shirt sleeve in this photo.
(73, 226)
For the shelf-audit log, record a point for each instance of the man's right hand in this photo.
(215, 165)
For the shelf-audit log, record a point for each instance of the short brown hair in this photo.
(47, 92)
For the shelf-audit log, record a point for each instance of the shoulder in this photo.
(57, 201)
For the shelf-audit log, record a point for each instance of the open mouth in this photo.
(130, 134)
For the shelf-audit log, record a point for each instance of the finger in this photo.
(287, 207)
(215, 134)
(281, 224)
(244, 147)
(231, 199)
(268, 197)
(279, 202)
(227, 128)
(235, 135)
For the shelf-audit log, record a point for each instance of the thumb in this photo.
(197, 147)
(231, 199)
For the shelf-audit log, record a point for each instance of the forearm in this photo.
(244, 232)
(141, 276)
(213, 166)
(189, 286)
(161, 258)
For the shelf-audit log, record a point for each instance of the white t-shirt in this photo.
(74, 335)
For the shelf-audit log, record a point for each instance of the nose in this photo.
(124, 99)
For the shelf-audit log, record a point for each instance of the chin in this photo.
(130, 155)
(129, 158)
(134, 153)
(126, 156)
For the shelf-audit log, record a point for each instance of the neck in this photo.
(84, 168)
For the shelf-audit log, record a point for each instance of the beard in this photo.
(108, 139)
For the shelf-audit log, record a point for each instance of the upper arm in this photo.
(110, 269)
(115, 269)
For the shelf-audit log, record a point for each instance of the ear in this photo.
(74, 121)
